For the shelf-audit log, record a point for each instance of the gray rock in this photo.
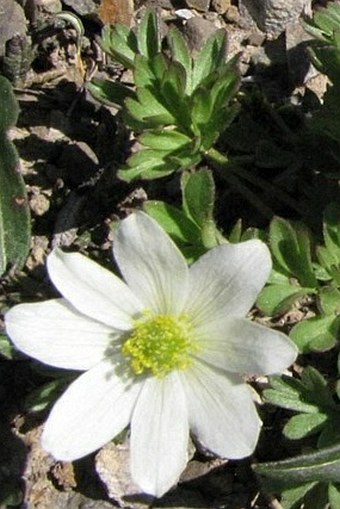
(199, 5)
(51, 6)
(300, 68)
(273, 16)
(197, 31)
(113, 468)
(83, 7)
(12, 22)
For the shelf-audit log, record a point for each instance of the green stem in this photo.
(281, 124)
(221, 162)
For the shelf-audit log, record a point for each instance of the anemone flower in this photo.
(165, 350)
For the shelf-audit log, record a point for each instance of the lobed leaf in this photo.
(109, 92)
(276, 299)
(322, 465)
(318, 333)
(291, 246)
(120, 43)
(210, 58)
(149, 42)
(180, 53)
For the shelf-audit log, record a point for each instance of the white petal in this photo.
(151, 264)
(242, 346)
(93, 290)
(92, 411)
(221, 411)
(227, 280)
(55, 333)
(159, 435)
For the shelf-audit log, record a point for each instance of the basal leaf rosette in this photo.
(164, 350)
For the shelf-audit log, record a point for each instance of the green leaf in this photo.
(211, 57)
(320, 466)
(277, 278)
(316, 334)
(317, 387)
(159, 65)
(185, 157)
(144, 72)
(164, 140)
(330, 434)
(316, 497)
(6, 347)
(236, 232)
(324, 23)
(173, 94)
(180, 53)
(226, 86)
(291, 496)
(253, 233)
(303, 425)
(329, 297)
(326, 121)
(219, 121)
(291, 246)
(173, 221)
(278, 298)
(309, 395)
(120, 43)
(198, 191)
(212, 109)
(109, 92)
(46, 395)
(289, 400)
(148, 111)
(15, 233)
(201, 108)
(329, 262)
(147, 164)
(331, 230)
(334, 495)
(320, 272)
(149, 42)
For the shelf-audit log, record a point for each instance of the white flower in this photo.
(163, 351)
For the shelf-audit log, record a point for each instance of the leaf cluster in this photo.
(192, 226)
(179, 104)
(325, 56)
(312, 478)
(302, 268)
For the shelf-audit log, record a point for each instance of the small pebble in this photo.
(221, 6)
(199, 5)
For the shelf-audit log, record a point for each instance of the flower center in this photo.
(160, 344)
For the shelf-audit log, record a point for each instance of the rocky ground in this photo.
(70, 148)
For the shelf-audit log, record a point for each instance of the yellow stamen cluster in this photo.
(160, 344)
